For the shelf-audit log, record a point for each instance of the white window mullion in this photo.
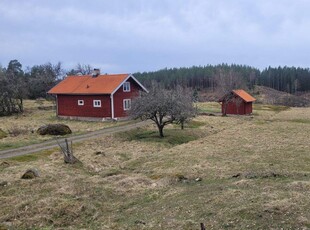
(127, 104)
(97, 103)
(126, 86)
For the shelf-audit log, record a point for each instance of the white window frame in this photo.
(80, 102)
(127, 104)
(126, 86)
(97, 103)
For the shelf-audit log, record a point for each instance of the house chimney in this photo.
(96, 73)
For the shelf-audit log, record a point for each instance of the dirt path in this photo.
(53, 143)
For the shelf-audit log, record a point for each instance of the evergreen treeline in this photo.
(198, 77)
(17, 84)
(288, 79)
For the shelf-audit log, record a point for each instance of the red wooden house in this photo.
(237, 102)
(96, 96)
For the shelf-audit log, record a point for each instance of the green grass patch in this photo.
(190, 125)
(302, 121)
(274, 108)
(33, 157)
(111, 172)
(208, 110)
(210, 107)
(194, 124)
(25, 158)
(13, 145)
(260, 122)
(171, 137)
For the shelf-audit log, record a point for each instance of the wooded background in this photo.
(18, 83)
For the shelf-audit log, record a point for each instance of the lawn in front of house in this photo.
(241, 172)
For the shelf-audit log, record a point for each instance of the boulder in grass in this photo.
(3, 184)
(3, 134)
(54, 129)
(31, 174)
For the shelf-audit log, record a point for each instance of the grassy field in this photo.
(21, 129)
(235, 172)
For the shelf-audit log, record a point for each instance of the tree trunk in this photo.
(161, 130)
(225, 109)
(21, 105)
(160, 126)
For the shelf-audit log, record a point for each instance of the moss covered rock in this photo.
(54, 129)
(30, 174)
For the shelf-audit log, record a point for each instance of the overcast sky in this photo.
(121, 36)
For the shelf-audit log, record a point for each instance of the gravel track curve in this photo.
(78, 138)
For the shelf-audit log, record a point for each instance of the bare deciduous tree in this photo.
(184, 108)
(162, 107)
(81, 69)
(84, 69)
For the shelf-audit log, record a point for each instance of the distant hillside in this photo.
(268, 95)
(305, 95)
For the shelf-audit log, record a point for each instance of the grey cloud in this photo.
(129, 36)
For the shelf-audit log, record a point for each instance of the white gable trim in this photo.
(129, 76)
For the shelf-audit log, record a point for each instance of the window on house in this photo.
(126, 86)
(80, 102)
(97, 103)
(127, 104)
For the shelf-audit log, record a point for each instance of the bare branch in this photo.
(67, 151)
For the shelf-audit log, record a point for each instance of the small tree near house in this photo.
(184, 109)
(163, 107)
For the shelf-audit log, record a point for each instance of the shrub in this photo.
(16, 131)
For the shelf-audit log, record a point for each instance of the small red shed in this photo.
(96, 96)
(237, 102)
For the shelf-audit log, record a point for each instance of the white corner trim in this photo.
(112, 106)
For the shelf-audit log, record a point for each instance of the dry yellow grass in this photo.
(22, 128)
(254, 170)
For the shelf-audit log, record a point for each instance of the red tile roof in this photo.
(244, 95)
(102, 84)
